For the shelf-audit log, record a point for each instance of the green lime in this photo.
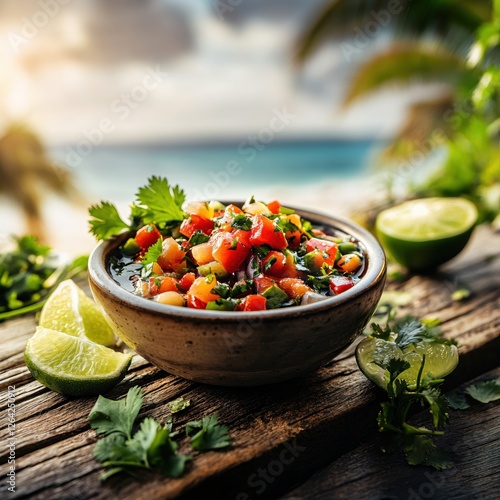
(423, 234)
(440, 359)
(69, 310)
(73, 366)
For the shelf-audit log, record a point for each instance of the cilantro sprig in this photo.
(157, 202)
(393, 418)
(120, 450)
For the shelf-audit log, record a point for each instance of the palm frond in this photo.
(405, 64)
(412, 17)
(426, 126)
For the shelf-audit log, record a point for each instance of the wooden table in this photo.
(310, 438)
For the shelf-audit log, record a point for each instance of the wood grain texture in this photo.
(308, 423)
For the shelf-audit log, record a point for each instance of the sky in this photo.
(178, 71)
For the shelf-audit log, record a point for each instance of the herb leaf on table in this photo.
(151, 446)
(208, 434)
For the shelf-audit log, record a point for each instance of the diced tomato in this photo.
(194, 302)
(229, 251)
(274, 264)
(172, 257)
(263, 283)
(252, 303)
(196, 223)
(349, 263)
(168, 285)
(234, 209)
(162, 284)
(147, 236)
(202, 288)
(339, 284)
(274, 206)
(186, 281)
(243, 237)
(293, 287)
(327, 248)
(264, 233)
(202, 254)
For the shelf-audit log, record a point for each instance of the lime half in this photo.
(440, 359)
(69, 310)
(73, 366)
(423, 234)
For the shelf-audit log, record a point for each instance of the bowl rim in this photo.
(376, 271)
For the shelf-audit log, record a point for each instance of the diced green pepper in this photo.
(213, 268)
(222, 305)
(131, 247)
(275, 296)
(347, 247)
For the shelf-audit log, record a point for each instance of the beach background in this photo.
(122, 90)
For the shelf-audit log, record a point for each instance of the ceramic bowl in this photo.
(242, 348)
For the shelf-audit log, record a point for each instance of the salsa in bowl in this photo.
(237, 346)
(243, 257)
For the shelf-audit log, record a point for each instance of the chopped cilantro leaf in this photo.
(262, 250)
(242, 222)
(179, 404)
(105, 221)
(485, 392)
(197, 238)
(208, 434)
(153, 253)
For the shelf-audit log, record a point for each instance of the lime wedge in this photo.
(73, 366)
(423, 234)
(440, 359)
(69, 310)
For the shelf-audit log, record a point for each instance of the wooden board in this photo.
(306, 423)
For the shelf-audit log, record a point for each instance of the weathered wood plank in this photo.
(472, 438)
(316, 413)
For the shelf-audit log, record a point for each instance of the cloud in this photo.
(121, 31)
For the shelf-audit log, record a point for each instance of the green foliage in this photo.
(208, 434)
(393, 417)
(151, 446)
(157, 202)
(28, 274)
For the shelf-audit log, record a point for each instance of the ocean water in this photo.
(214, 170)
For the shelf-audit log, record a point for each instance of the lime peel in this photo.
(425, 233)
(74, 366)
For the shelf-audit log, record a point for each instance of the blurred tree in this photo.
(25, 172)
(451, 42)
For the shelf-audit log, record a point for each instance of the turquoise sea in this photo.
(115, 172)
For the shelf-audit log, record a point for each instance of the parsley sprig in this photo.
(152, 445)
(157, 202)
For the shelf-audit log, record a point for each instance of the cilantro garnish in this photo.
(157, 203)
(151, 446)
(485, 392)
(161, 202)
(208, 434)
(393, 417)
(242, 222)
(153, 253)
(197, 238)
(106, 221)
